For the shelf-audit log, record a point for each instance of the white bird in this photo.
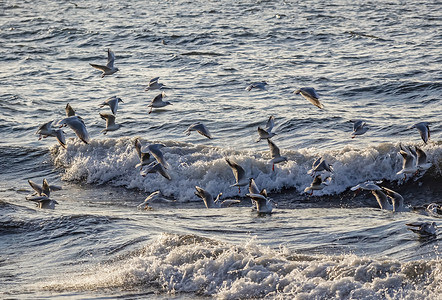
(368, 185)
(109, 68)
(46, 130)
(311, 95)
(110, 123)
(257, 85)
(359, 128)
(320, 165)
(145, 157)
(266, 133)
(112, 102)
(69, 110)
(207, 198)
(43, 190)
(155, 167)
(424, 229)
(157, 102)
(200, 128)
(155, 197)
(275, 154)
(155, 150)
(397, 200)
(408, 163)
(317, 184)
(154, 84)
(424, 130)
(382, 199)
(422, 163)
(239, 173)
(77, 125)
(263, 204)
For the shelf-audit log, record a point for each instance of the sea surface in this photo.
(379, 61)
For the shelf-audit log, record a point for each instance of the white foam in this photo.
(191, 264)
(112, 161)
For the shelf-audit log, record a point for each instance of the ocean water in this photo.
(378, 61)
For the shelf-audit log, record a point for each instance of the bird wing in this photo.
(237, 170)
(274, 150)
(110, 59)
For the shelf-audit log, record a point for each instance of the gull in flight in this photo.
(320, 165)
(145, 157)
(424, 229)
(368, 185)
(155, 167)
(69, 110)
(43, 190)
(276, 154)
(109, 68)
(77, 125)
(112, 102)
(382, 199)
(154, 84)
(42, 193)
(155, 150)
(239, 173)
(257, 85)
(408, 163)
(155, 197)
(46, 130)
(157, 102)
(424, 130)
(317, 184)
(397, 200)
(359, 128)
(310, 94)
(263, 204)
(110, 123)
(200, 128)
(266, 133)
(208, 199)
(422, 163)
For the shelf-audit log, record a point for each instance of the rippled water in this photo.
(378, 61)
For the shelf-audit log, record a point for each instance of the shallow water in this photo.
(375, 61)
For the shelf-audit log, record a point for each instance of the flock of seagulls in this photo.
(152, 159)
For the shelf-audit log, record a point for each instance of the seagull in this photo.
(110, 123)
(359, 128)
(408, 163)
(155, 150)
(266, 133)
(425, 229)
(154, 85)
(207, 198)
(155, 167)
(112, 102)
(422, 163)
(200, 128)
(396, 199)
(320, 165)
(158, 102)
(77, 125)
(46, 130)
(69, 110)
(310, 94)
(239, 173)
(109, 68)
(317, 184)
(155, 197)
(382, 199)
(276, 154)
(424, 130)
(257, 85)
(368, 185)
(145, 157)
(263, 204)
(41, 191)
